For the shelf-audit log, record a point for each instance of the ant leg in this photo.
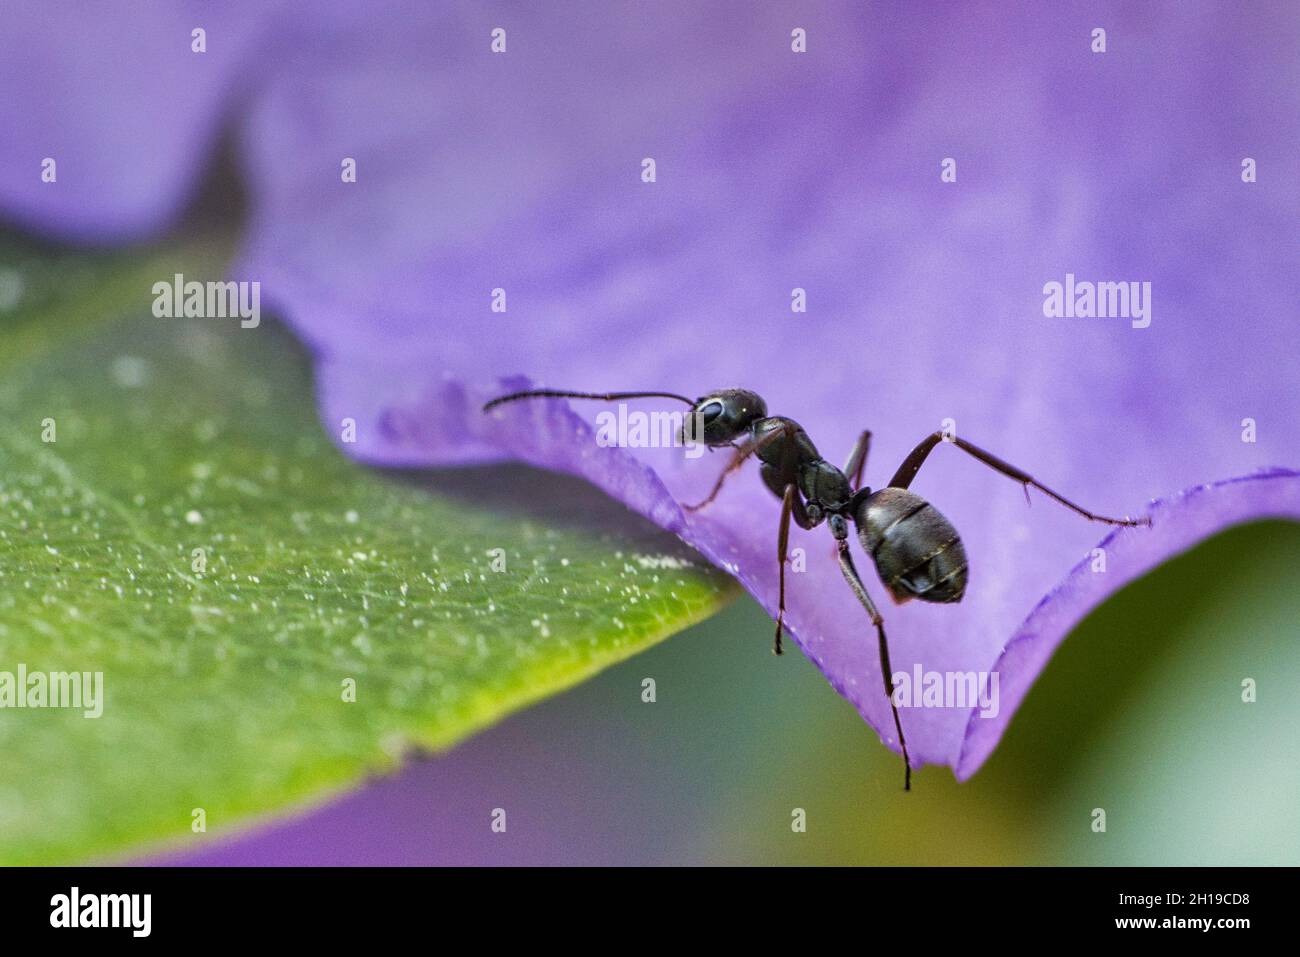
(912, 464)
(858, 460)
(851, 576)
(742, 453)
(782, 543)
(791, 504)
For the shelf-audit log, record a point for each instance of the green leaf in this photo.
(224, 680)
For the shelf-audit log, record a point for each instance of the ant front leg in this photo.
(912, 464)
(743, 452)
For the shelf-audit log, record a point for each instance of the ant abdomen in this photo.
(916, 550)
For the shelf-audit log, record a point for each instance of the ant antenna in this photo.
(563, 394)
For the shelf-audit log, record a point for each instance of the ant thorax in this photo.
(824, 486)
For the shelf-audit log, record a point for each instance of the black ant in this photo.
(917, 551)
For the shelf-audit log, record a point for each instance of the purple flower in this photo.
(918, 177)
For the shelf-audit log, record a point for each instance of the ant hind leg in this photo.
(912, 464)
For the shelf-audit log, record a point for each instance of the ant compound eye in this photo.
(710, 411)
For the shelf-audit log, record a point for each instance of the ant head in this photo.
(724, 416)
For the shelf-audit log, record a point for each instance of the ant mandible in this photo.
(916, 551)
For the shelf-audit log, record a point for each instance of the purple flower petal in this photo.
(821, 171)
(123, 105)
